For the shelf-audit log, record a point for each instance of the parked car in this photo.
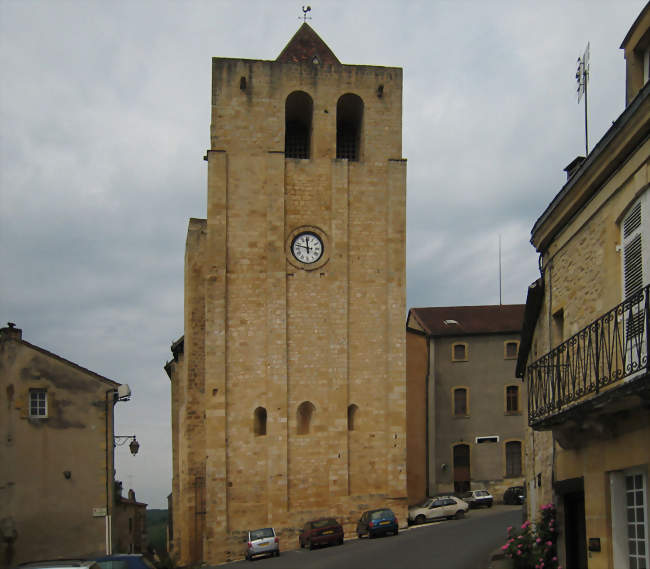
(262, 542)
(440, 507)
(125, 561)
(514, 495)
(478, 498)
(377, 522)
(323, 531)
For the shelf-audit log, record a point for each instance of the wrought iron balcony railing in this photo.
(612, 348)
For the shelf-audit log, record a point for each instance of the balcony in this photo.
(602, 367)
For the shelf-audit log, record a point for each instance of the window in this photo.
(304, 417)
(636, 275)
(297, 129)
(259, 422)
(489, 439)
(558, 327)
(461, 408)
(630, 539)
(513, 459)
(352, 415)
(459, 352)
(511, 350)
(349, 116)
(38, 403)
(512, 399)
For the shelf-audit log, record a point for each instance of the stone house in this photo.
(129, 523)
(288, 386)
(584, 348)
(466, 421)
(57, 495)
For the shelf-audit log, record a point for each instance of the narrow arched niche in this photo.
(353, 411)
(304, 417)
(259, 422)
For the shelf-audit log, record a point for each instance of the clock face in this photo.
(307, 247)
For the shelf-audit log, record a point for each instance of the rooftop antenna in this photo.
(582, 77)
(306, 11)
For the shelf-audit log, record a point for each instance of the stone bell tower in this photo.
(288, 388)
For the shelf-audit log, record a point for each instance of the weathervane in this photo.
(582, 77)
(305, 11)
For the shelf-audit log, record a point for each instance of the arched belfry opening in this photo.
(304, 417)
(298, 112)
(349, 119)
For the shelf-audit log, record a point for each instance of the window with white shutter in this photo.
(635, 238)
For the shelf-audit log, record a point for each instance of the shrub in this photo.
(533, 546)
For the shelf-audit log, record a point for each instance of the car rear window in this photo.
(113, 564)
(381, 514)
(324, 523)
(261, 533)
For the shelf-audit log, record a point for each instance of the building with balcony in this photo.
(584, 348)
(465, 408)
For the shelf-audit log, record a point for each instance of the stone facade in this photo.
(489, 426)
(57, 494)
(288, 395)
(579, 454)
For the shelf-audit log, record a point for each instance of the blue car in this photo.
(377, 522)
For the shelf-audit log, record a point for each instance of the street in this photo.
(455, 544)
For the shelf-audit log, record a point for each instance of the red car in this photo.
(323, 531)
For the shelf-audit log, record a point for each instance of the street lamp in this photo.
(134, 445)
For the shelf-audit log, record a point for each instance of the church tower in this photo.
(288, 387)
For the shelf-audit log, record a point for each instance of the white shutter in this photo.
(635, 238)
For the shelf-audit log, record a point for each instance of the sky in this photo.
(104, 122)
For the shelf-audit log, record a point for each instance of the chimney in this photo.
(11, 332)
(573, 167)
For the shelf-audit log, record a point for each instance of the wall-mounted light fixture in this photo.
(67, 474)
(444, 467)
(134, 445)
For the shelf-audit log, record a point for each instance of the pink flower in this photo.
(538, 540)
(509, 529)
(504, 547)
(555, 558)
(519, 552)
(549, 543)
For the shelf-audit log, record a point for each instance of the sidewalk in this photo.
(499, 561)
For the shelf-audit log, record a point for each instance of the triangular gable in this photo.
(306, 45)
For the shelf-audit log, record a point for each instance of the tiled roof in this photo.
(461, 320)
(304, 46)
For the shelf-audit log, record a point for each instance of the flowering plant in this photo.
(534, 545)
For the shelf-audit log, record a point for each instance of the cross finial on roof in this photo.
(305, 11)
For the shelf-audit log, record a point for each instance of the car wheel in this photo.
(302, 545)
(396, 530)
(459, 514)
(277, 553)
(311, 545)
(420, 519)
(489, 504)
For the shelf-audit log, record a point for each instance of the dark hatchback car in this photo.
(377, 522)
(514, 495)
(323, 531)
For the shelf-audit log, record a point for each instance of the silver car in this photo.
(437, 508)
(262, 542)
